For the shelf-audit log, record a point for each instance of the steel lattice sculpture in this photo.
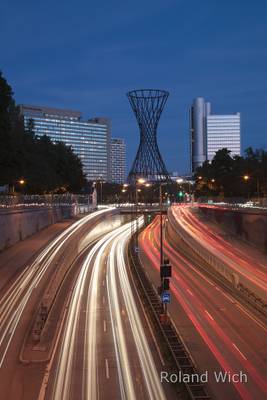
(147, 105)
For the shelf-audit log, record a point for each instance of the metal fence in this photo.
(46, 200)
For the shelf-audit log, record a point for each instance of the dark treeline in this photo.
(44, 166)
(233, 176)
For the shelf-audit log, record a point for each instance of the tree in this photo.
(45, 166)
(227, 174)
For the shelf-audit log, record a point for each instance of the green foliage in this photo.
(224, 175)
(45, 166)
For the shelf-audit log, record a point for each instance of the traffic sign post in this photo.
(163, 289)
(166, 298)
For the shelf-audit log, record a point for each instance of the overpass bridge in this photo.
(141, 208)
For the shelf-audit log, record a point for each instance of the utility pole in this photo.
(161, 224)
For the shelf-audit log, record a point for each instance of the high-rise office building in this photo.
(198, 135)
(211, 132)
(90, 139)
(118, 160)
(223, 131)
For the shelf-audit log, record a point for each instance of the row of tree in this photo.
(236, 176)
(30, 163)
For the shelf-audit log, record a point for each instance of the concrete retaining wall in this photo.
(16, 225)
(249, 225)
(219, 264)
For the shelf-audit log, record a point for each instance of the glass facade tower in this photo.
(118, 160)
(223, 131)
(211, 132)
(90, 139)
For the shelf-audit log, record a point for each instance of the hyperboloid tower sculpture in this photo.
(147, 105)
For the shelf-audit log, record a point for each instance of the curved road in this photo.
(221, 334)
(104, 350)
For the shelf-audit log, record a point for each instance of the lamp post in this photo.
(161, 224)
(258, 189)
(140, 181)
(246, 179)
(101, 189)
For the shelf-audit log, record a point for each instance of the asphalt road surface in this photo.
(220, 333)
(105, 350)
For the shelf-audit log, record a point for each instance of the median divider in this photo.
(176, 355)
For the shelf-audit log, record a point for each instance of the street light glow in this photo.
(141, 180)
(246, 177)
(179, 180)
(22, 181)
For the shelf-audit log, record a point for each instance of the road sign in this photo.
(165, 271)
(166, 298)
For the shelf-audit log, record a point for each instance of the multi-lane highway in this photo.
(105, 349)
(21, 295)
(246, 266)
(220, 333)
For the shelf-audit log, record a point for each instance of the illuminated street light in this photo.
(141, 180)
(124, 190)
(21, 181)
(125, 185)
(246, 177)
(147, 184)
(179, 180)
(199, 177)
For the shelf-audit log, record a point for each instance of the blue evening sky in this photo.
(85, 55)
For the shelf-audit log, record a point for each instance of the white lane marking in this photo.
(104, 300)
(209, 315)
(240, 352)
(154, 388)
(251, 317)
(103, 283)
(189, 291)
(107, 368)
(105, 326)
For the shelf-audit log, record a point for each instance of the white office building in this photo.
(211, 132)
(117, 160)
(223, 131)
(89, 139)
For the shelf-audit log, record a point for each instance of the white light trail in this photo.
(14, 301)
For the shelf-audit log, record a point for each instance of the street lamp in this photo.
(141, 180)
(101, 181)
(138, 181)
(247, 178)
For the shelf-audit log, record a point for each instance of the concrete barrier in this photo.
(250, 225)
(16, 225)
(219, 265)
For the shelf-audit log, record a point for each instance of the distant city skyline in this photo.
(213, 49)
(211, 131)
